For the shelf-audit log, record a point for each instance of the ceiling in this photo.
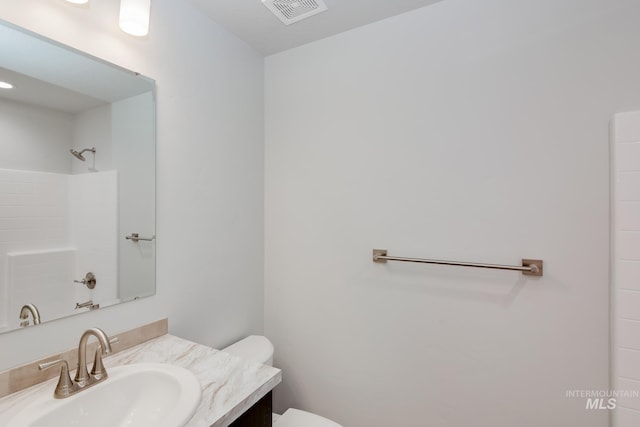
(28, 90)
(255, 24)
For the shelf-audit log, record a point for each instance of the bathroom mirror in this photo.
(77, 181)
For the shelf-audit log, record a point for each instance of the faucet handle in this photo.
(98, 371)
(65, 385)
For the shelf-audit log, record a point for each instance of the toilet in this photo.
(259, 349)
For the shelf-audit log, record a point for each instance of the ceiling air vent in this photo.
(290, 11)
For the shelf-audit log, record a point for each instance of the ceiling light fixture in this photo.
(134, 17)
(5, 85)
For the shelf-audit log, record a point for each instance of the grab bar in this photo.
(530, 267)
(135, 237)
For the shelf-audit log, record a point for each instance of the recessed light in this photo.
(78, 1)
(5, 85)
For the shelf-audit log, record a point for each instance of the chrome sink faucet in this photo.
(98, 373)
(83, 379)
(24, 315)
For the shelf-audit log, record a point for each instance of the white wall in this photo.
(210, 172)
(34, 138)
(465, 130)
(625, 262)
(92, 129)
(93, 225)
(133, 127)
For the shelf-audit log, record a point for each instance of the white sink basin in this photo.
(137, 395)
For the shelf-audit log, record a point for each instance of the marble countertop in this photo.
(230, 385)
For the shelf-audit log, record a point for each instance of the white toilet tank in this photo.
(254, 347)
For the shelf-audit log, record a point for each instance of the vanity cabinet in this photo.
(259, 415)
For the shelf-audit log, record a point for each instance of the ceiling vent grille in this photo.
(290, 11)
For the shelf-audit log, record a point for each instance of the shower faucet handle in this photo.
(89, 280)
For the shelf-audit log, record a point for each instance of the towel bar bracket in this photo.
(526, 262)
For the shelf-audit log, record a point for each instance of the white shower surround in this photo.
(625, 266)
(56, 228)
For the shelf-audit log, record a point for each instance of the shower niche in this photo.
(77, 176)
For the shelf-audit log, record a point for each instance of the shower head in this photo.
(79, 156)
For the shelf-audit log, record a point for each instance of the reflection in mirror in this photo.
(77, 180)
